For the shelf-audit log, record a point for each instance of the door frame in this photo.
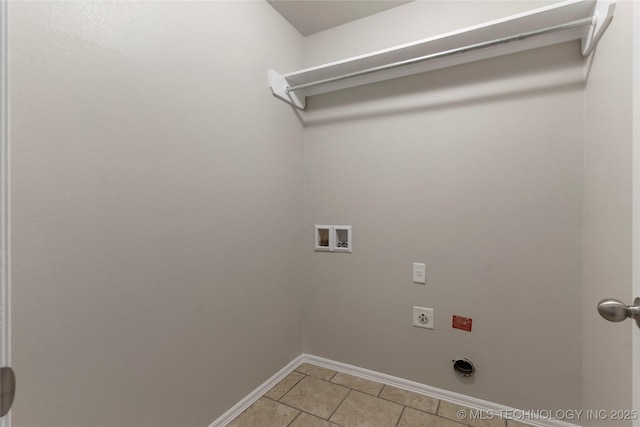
(5, 289)
(635, 353)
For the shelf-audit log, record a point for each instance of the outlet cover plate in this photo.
(423, 317)
(419, 273)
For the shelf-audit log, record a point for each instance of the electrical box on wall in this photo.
(333, 238)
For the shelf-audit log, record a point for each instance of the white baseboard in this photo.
(449, 396)
(239, 407)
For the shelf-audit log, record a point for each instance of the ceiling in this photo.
(312, 16)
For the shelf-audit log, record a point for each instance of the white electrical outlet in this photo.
(419, 273)
(423, 317)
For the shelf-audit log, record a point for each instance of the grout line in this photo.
(282, 397)
(309, 413)
(438, 407)
(339, 425)
(289, 406)
(269, 399)
(405, 405)
(398, 403)
(317, 366)
(297, 382)
(400, 417)
(294, 418)
(361, 391)
(340, 404)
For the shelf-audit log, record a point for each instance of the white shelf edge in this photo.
(600, 12)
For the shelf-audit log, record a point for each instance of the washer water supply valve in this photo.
(463, 367)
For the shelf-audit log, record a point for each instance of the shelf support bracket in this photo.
(602, 17)
(278, 85)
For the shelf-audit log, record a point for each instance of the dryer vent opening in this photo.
(463, 367)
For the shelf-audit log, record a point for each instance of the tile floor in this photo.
(313, 396)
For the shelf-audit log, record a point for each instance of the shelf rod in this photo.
(490, 43)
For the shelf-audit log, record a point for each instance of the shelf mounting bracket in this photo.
(602, 17)
(278, 85)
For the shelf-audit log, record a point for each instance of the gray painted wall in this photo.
(157, 210)
(476, 171)
(607, 232)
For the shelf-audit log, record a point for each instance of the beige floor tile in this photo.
(409, 398)
(265, 413)
(414, 418)
(315, 396)
(306, 420)
(279, 390)
(357, 383)
(453, 411)
(363, 410)
(316, 371)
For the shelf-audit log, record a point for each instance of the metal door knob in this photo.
(616, 311)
